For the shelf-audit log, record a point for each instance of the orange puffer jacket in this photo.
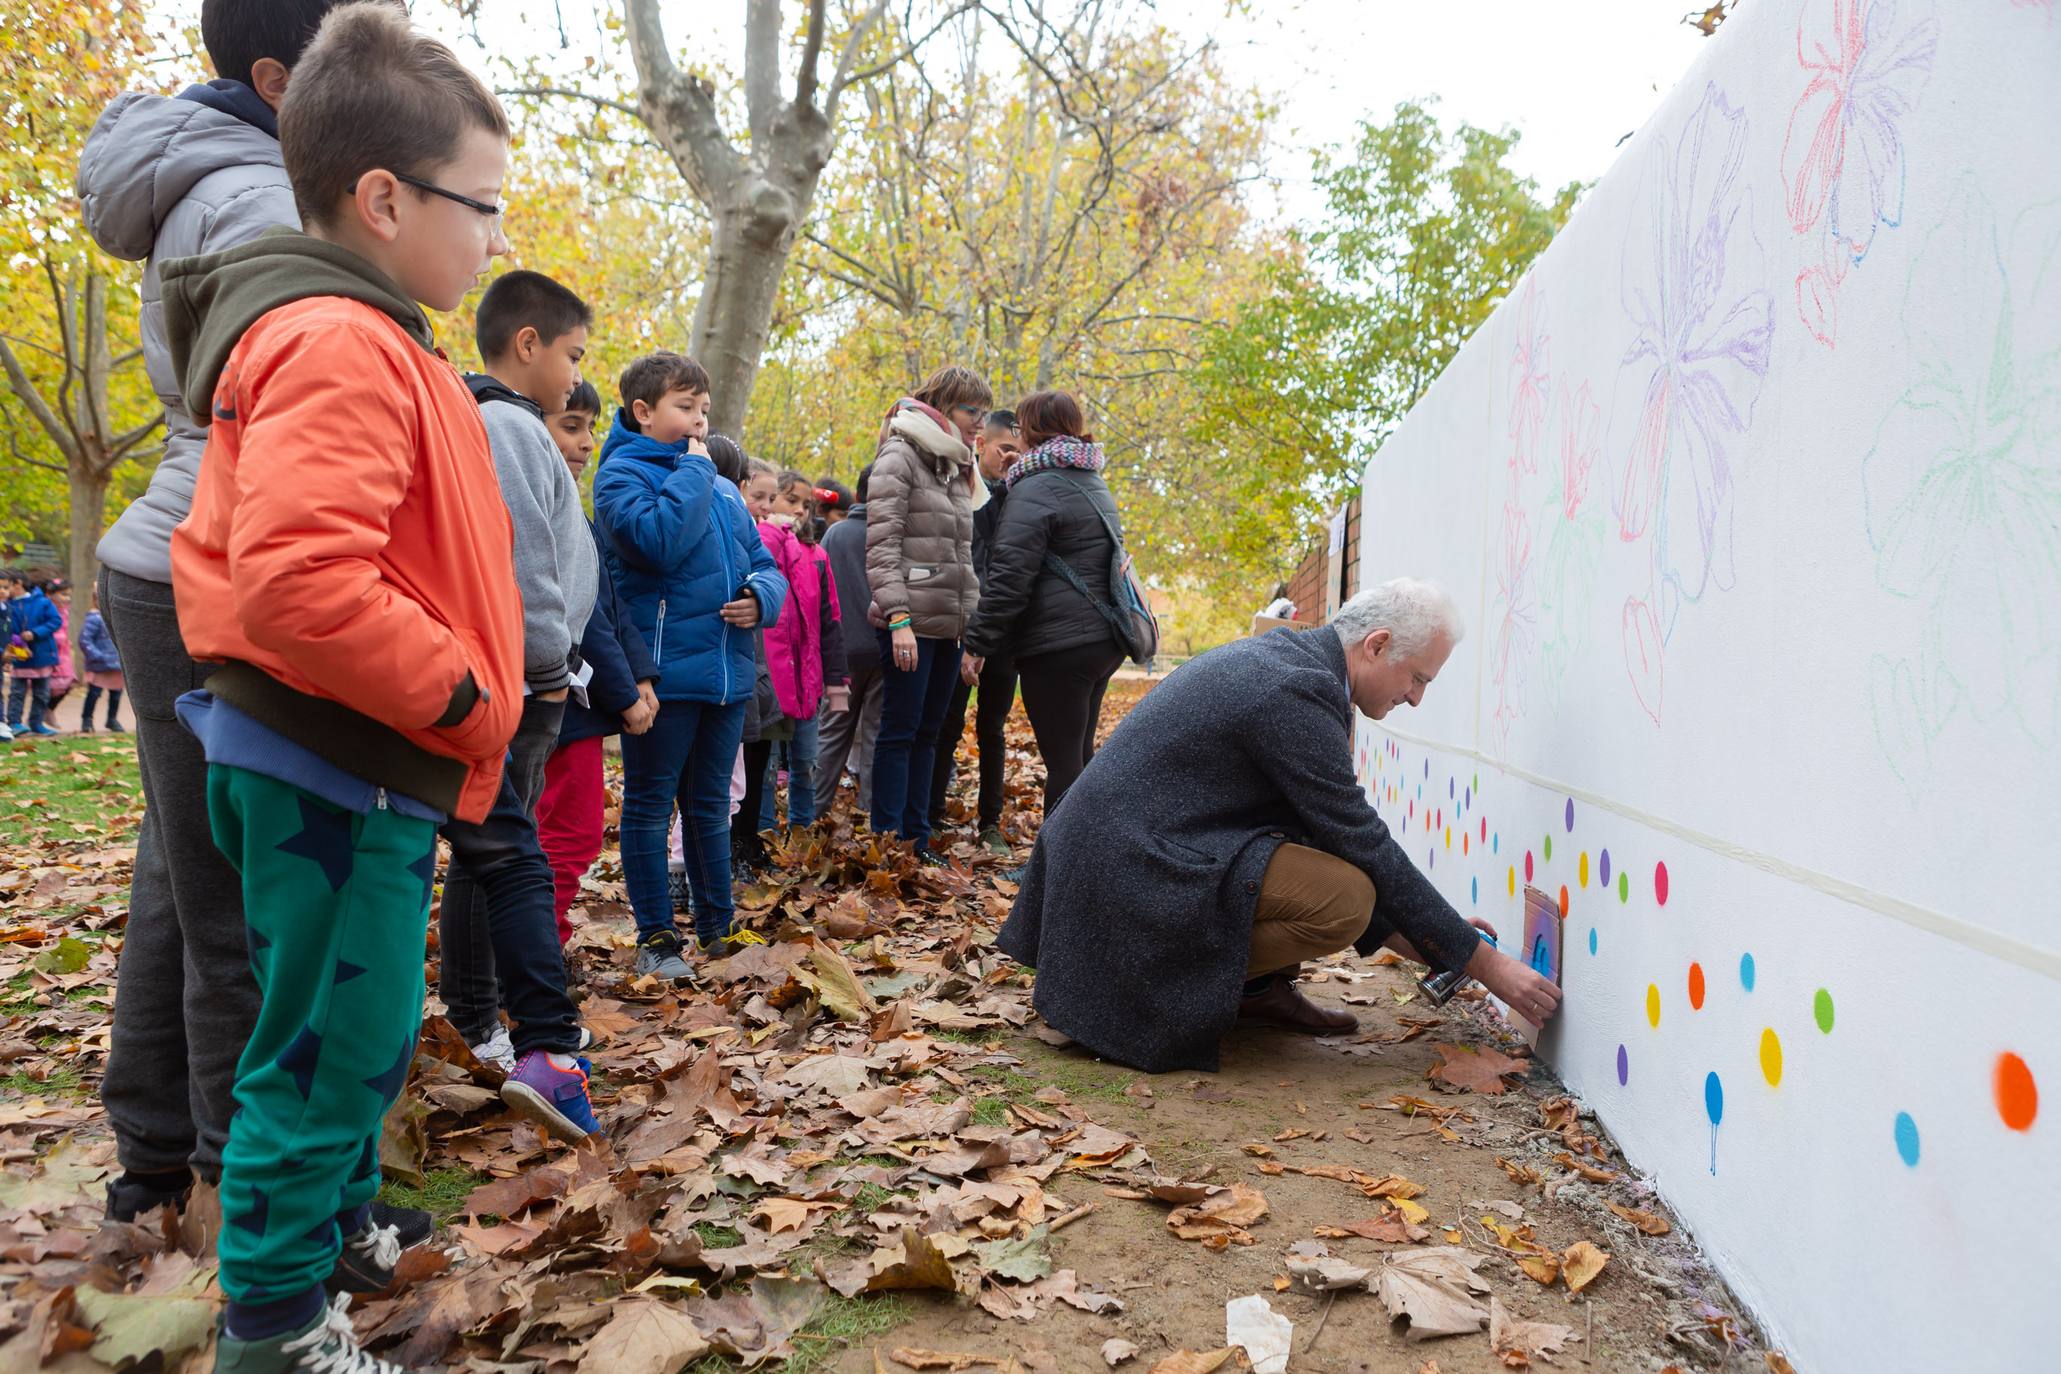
(348, 539)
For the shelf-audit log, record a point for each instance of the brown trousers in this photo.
(1310, 904)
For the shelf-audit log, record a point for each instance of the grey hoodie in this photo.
(170, 178)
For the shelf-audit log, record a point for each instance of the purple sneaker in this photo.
(554, 1097)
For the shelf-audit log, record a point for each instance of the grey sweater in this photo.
(555, 564)
(1137, 908)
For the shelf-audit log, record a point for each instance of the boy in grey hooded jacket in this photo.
(162, 178)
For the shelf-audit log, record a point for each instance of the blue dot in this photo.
(1474, 890)
(1907, 1138)
(1713, 1099)
(1746, 971)
(1496, 843)
(1592, 940)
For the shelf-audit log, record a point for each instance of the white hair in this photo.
(1412, 610)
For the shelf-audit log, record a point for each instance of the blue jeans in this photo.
(912, 709)
(798, 756)
(686, 756)
(36, 692)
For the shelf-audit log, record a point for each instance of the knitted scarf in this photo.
(1060, 451)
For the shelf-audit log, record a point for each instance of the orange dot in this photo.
(1696, 986)
(1563, 901)
(2018, 1096)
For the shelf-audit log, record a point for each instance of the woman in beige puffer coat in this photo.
(919, 567)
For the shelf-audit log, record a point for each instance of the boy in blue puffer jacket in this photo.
(695, 579)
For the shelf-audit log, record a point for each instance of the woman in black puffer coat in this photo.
(1064, 644)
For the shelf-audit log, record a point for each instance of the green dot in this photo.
(1624, 887)
(1821, 1007)
(1549, 849)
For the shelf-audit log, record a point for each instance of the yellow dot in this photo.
(1584, 870)
(1771, 1057)
(1449, 837)
(1513, 880)
(1653, 1005)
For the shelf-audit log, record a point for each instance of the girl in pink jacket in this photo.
(804, 647)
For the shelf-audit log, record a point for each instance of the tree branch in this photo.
(25, 391)
(560, 93)
(679, 108)
(762, 67)
(119, 449)
(846, 77)
(812, 52)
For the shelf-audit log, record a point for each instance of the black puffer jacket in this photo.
(1027, 608)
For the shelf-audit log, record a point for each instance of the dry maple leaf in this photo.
(1116, 1350)
(1520, 1173)
(1581, 1262)
(1541, 1268)
(1587, 1171)
(643, 1336)
(1510, 1335)
(1433, 1289)
(1391, 1226)
(1651, 1224)
(939, 1359)
(1474, 1070)
(1777, 1362)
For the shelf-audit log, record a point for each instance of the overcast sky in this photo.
(1574, 76)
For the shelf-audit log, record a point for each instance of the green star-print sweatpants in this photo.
(336, 906)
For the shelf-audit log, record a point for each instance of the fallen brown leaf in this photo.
(643, 1336)
(1194, 1362)
(1474, 1070)
(938, 1359)
(1513, 1336)
(1648, 1222)
(1581, 1262)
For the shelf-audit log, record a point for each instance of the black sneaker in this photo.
(414, 1226)
(676, 888)
(327, 1345)
(131, 1197)
(367, 1262)
(659, 956)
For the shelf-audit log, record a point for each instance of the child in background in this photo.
(805, 649)
(33, 622)
(695, 579)
(765, 723)
(617, 699)
(369, 637)
(63, 674)
(103, 672)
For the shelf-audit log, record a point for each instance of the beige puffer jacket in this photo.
(919, 527)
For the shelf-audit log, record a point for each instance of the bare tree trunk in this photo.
(88, 488)
(758, 196)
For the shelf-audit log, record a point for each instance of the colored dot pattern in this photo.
(2013, 1085)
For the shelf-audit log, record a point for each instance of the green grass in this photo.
(841, 1322)
(991, 1111)
(985, 1036)
(44, 786)
(441, 1195)
(62, 1083)
(714, 1237)
(871, 1197)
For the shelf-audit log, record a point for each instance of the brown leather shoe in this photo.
(1282, 1004)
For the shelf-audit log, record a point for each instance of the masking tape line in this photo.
(1990, 942)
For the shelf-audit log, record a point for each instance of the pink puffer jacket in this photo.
(794, 643)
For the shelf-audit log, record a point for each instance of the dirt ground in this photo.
(1657, 1304)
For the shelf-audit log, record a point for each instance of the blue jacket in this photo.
(620, 659)
(678, 543)
(101, 656)
(38, 614)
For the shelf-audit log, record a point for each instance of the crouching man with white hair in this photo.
(1220, 838)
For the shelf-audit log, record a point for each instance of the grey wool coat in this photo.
(1137, 908)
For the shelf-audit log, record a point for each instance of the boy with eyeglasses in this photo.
(348, 561)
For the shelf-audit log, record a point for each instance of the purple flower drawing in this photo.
(1702, 320)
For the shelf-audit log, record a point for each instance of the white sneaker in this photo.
(5, 733)
(497, 1049)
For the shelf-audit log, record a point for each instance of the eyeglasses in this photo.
(492, 212)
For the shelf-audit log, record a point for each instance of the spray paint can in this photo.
(1438, 988)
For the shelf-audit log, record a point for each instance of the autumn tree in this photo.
(1424, 231)
(76, 404)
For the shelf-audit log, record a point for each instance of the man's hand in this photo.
(1517, 986)
(969, 669)
(1483, 926)
(743, 612)
(840, 699)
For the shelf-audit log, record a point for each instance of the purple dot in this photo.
(1427, 768)
(1624, 1067)
(1606, 867)
(1570, 815)
(1467, 798)
(1431, 858)
(1449, 789)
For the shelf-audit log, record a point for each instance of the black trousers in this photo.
(744, 826)
(997, 695)
(1062, 695)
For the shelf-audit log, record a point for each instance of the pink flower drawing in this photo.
(1528, 378)
(1843, 166)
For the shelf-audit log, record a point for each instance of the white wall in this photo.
(1753, 493)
